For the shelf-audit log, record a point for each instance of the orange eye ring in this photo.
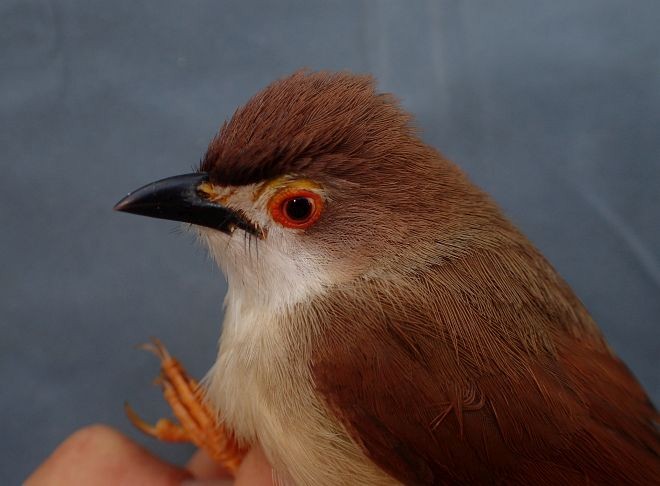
(296, 208)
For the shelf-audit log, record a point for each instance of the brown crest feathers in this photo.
(288, 125)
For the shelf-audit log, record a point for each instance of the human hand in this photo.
(101, 455)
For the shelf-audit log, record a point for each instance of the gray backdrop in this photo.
(553, 107)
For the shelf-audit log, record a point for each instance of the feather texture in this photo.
(434, 341)
(492, 372)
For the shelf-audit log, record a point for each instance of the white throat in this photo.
(262, 274)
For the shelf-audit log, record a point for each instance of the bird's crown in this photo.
(296, 120)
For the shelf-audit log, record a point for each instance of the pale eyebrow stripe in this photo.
(207, 189)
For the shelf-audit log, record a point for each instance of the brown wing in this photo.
(487, 370)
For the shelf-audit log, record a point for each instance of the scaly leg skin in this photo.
(198, 424)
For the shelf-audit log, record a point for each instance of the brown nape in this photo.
(286, 128)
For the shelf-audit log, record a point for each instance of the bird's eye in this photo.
(296, 208)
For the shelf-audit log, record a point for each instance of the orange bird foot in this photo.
(197, 423)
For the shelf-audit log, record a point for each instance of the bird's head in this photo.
(316, 181)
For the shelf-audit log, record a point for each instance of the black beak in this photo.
(179, 198)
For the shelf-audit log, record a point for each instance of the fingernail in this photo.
(207, 482)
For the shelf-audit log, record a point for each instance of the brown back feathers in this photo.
(483, 370)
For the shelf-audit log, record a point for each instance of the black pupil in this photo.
(298, 208)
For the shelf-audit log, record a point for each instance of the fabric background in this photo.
(552, 107)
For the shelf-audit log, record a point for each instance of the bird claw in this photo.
(164, 429)
(197, 422)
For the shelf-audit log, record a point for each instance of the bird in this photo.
(384, 322)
